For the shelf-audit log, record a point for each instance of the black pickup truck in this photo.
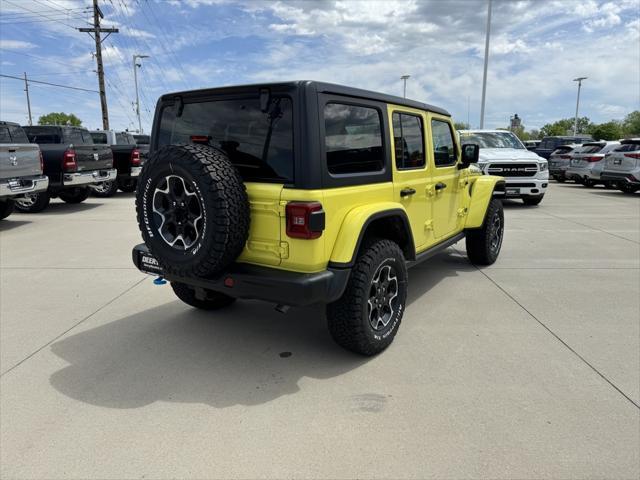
(71, 161)
(126, 159)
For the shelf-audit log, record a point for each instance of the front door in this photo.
(444, 188)
(410, 175)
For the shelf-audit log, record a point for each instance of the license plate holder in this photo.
(148, 264)
(511, 192)
(617, 161)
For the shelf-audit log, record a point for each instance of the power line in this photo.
(51, 11)
(40, 15)
(51, 84)
(33, 56)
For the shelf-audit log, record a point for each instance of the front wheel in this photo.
(626, 188)
(6, 208)
(32, 202)
(484, 243)
(367, 316)
(204, 300)
(533, 199)
(560, 178)
(75, 195)
(104, 189)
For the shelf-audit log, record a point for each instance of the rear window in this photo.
(353, 139)
(589, 149)
(99, 138)
(12, 134)
(77, 136)
(123, 138)
(142, 139)
(43, 135)
(563, 149)
(551, 143)
(259, 144)
(628, 147)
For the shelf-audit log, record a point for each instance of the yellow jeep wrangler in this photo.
(306, 193)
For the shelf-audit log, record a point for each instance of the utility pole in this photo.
(26, 89)
(575, 123)
(96, 30)
(135, 80)
(486, 64)
(404, 78)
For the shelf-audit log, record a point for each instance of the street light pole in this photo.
(404, 78)
(486, 64)
(575, 123)
(135, 80)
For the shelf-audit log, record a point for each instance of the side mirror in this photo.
(470, 154)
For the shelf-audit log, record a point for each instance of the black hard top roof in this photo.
(12, 124)
(322, 87)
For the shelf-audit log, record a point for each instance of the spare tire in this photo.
(192, 209)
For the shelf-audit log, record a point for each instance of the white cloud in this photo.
(16, 44)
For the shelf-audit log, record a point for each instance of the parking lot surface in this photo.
(527, 369)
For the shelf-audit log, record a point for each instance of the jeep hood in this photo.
(508, 155)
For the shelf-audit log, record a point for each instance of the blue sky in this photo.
(538, 47)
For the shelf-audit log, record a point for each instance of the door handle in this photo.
(405, 192)
(440, 186)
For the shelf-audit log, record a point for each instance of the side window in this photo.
(353, 139)
(444, 150)
(409, 141)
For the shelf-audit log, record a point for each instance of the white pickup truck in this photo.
(526, 174)
(20, 167)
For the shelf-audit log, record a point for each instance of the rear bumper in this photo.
(621, 177)
(262, 283)
(89, 177)
(135, 171)
(21, 186)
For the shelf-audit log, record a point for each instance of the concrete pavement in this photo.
(526, 369)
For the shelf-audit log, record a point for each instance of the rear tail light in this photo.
(135, 157)
(202, 139)
(566, 157)
(633, 155)
(69, 163)
(41, 162)
(592, 159)
(304, 220)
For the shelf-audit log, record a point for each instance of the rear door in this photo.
(445, 188)
(410, 173)
(88, 155)
(624, 158)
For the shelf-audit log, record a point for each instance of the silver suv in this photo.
(622, 166)
(587, 163)
(559, 161)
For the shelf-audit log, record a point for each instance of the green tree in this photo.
(565, 127)
(631, 124)
(607, 131)
(59, 118)
(461, 126)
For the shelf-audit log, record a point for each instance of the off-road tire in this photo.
(223, 226)
(212, 300)
(128, 185)
(6, 208)
(532, 199)
(348, 317)
(108, 189)
(479, 241)
(37, 203)
(74, 195)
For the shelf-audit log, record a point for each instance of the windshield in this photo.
(492, 139)
(259, 144)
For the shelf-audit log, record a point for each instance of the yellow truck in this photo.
(304, 193)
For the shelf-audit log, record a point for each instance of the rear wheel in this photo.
(533, 199)
(32, 202)
(367, 316)
(128, 185)
(74, 195)
(559, 178)
(201, 298)
(6, 208)
(483, 244)
(626, 188)
(104, 189)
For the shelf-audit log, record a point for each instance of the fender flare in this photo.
(482, 191)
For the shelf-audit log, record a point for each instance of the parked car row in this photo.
(614, 164)
(41, 162)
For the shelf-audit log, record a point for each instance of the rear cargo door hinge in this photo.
(462, 211)
(428, 225)
(279, 249)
